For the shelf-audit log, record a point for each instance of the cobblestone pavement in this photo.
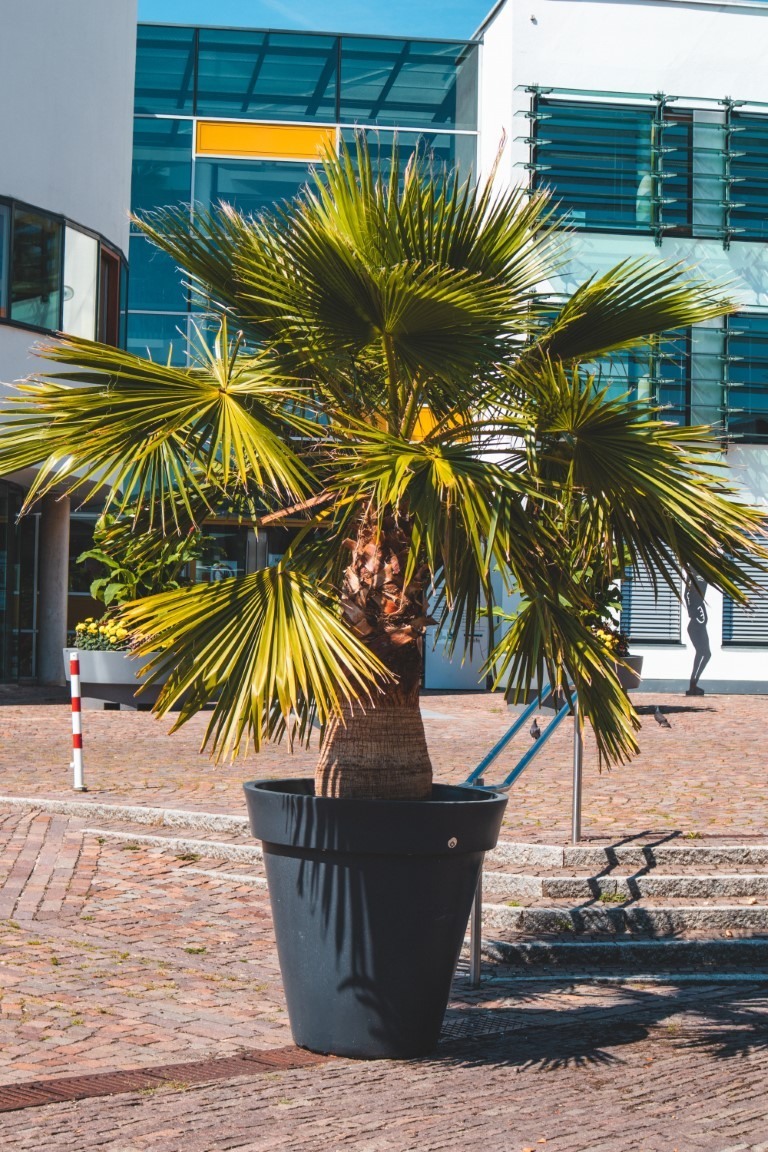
(116, 956)
(706, 775)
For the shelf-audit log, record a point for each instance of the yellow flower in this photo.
(93, 629)
(122, 633)
(80, 627)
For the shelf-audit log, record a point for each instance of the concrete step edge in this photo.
(658, 921)
(522, 855)
(635, 955)
(498, 886)
(214, 849)
(131, 813)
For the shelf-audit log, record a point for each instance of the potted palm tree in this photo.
(399, 390)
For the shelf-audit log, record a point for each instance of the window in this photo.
(749, 174)
(659, 373)
(156, 284)
(110, 291)
(81, 273)
(165, 69)
(615, 167)
(441, 149)
(747, 624)
(267, 75)
(162, 164)
(747, 382)
(5, 257)
(55, 276)
(248, 185)
(408, 82)
(36, 269)
(648, 614)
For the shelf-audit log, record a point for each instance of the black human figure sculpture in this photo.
(695, 590)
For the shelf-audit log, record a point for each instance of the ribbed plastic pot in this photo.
(370, 901)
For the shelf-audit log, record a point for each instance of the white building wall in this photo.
(703, 50)
(66, 90)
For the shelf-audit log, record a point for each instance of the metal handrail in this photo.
(476, 779)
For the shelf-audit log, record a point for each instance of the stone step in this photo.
(592, 858)
(500, 886)
(634, 919)
(701, 957)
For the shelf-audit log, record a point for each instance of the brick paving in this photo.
(117, 954)
(705, 776)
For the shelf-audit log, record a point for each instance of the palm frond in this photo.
(154, 435)
(268, 649)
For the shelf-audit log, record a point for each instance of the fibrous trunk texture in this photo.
(378, 750)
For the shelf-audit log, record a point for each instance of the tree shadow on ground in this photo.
(720, 1020)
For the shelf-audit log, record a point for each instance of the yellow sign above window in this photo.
(263, 141)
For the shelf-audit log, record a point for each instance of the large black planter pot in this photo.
(370, 900)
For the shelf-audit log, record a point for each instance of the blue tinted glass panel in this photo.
(749, 168)
(248, 185)
(747, 391)
(5, 257)
(151, 335)
(597, 161)
(156, 283)
(440, 149)
(165, 63)
(162, 163)
(408, 82)
(267, 75)
(37, 268)
(658, 373)
(677, 172)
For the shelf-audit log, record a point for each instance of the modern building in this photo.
(648, 121)
(66, 84)
(649, 124)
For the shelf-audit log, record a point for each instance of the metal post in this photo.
(578, 764)
(78, 782)
(476, 927)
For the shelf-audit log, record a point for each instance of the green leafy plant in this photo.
(401, 393)
(139, 562)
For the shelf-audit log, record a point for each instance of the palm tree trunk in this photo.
(379, 750)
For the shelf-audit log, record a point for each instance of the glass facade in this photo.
(747, 376)
(54, 276)
(18, 587)
(648, 166)
(195, 85)
(659, 373)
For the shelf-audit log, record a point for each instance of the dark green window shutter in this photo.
(649, 615)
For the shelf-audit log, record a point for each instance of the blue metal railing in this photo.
(477, 775)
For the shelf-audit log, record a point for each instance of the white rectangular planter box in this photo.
(112, 676)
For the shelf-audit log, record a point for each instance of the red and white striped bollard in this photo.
(77, 724)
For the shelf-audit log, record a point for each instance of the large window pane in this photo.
(658, 373)
(36, 276)
(267, 75)
(81, 273)
(749, 170)
(747, 390)
(152, 334)
(248, 185)
(597, 161)
(156, 284)
(402, 82)
(441, 149)
(162, 163)
(5, 257)
(165, 62)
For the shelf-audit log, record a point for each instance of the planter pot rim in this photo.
(287, 814)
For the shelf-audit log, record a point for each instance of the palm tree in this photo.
(405, 394)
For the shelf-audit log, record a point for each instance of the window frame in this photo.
(12, 205)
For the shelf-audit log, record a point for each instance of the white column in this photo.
(53, 559)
